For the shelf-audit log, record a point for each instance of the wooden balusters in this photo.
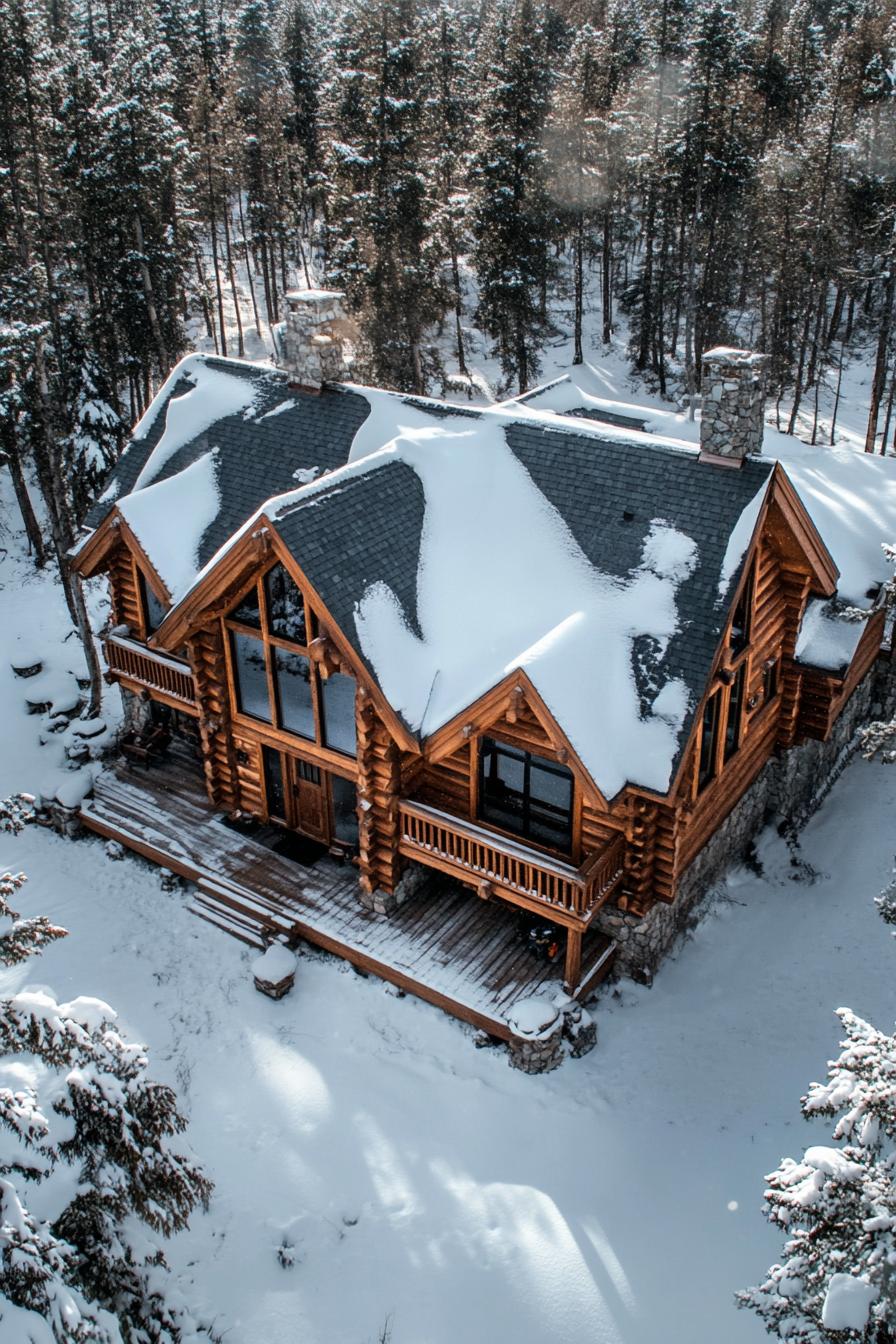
(456, 847)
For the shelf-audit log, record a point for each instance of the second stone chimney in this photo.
(313, 337)
(733, 405)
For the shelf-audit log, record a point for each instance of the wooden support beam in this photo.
(573, 968)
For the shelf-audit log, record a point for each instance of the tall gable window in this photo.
(275, 680)
(723, 722)
(154, 610)
(739, 636)
(525, 794)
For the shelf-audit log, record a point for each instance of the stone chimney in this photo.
(313, 338)
(733, 405)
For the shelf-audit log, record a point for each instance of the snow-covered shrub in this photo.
(89, 1178)
(837, 1207)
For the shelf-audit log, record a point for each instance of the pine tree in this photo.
(87, 1123)
(512, 218)
(836, 1282)
(381, 209)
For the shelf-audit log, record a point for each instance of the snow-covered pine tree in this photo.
(512, 216)
(449, 119)
(836, 1282)
(381, 209)
(85, 1123)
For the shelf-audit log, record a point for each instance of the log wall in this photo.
(224, 784)
(123, 591)
(780, 591)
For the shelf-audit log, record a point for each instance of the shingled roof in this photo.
(361, 532)
(264, 438)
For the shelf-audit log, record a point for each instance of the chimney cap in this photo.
(314, 295)
(727, 354)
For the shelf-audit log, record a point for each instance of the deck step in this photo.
(245, 907)
(228, 924)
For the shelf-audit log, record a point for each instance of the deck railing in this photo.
(472, 853)
(156, 671)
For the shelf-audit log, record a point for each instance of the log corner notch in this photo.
(379, 795)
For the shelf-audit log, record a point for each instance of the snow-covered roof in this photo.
(219, 438)
(457, 546)
(454, 545)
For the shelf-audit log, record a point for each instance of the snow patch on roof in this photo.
(169, 519)
(827, 639)
(213, 396)
(851, 498)
(489, 533)
(741, 536)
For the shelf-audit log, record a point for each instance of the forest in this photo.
(703, 172)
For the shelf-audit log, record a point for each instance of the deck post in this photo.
(573, 968)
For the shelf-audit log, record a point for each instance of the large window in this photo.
(735, 712)
(739, 636)
(154, 610)
(709, 739)
(724, 714)
(275, 679)
(525, 794)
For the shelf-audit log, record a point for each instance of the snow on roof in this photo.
(169, 518)
(851, 498)
(506, 574)
(583, 393)
(502, 584)
(827, 639)
(508, 561)
(214, 394)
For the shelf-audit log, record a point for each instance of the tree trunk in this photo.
(880, 364)
(579, 284)
(239, 198)
(241, 348)
(23, 499)
(149, 295)
(606, 262)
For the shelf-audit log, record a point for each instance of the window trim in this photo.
(145, 585)
(555, 767)
(269, 642)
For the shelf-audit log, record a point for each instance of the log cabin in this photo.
(512, 658)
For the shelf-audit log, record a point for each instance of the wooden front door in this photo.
(310, 813)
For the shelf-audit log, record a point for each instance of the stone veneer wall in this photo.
(312, 339)
(787, 791)
(732, 403)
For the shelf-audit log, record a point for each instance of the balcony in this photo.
(504, 868)
(134, 663)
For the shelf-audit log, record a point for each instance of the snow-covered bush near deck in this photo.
(88, 1178)
(837, 1206)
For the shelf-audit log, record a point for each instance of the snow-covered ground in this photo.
(430, 1194)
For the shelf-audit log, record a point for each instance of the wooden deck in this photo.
(444, 945)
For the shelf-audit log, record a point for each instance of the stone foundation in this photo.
(789, 789)
(137, 711)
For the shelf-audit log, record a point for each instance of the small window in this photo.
(248, 613)
(770, 680)
(250, 675)
(708, 740)
(310, 773)
(286, 607)
(292, 673)
(740, 621)
(735, 713)
(154, 611)
(338, 713)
